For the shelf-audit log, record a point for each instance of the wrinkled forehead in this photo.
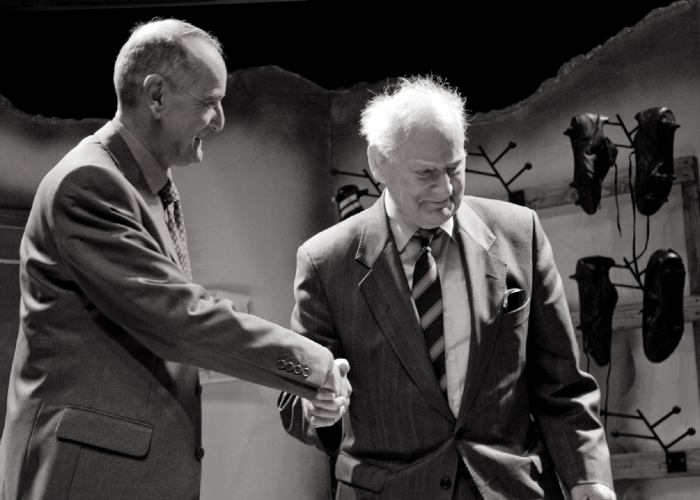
(433, 133)
(431, 121)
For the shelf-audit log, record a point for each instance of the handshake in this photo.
(332, 399)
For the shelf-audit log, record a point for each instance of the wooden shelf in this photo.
(652, 465)
(560, 193)
(629, 316)
(14, 217)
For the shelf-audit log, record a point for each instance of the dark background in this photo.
(58, 63)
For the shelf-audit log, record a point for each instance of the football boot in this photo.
(594, 154)
(662, 316)
(653, 148)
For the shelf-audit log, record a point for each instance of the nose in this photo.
(217, 123)
(443, 185)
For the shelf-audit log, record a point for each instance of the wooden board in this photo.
(13, 217)
(651, 465)
(629, 316)
(556, 194)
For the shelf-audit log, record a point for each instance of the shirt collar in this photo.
(402, 229)
(156, 176)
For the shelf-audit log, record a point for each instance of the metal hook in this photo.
(514, 197)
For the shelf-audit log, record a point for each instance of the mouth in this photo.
(441, 203)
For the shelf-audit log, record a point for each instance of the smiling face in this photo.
(192, 108)
(425, 175)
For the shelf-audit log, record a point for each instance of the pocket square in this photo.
(514, 299)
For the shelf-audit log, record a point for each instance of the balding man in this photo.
(104, 394)
(453, 317)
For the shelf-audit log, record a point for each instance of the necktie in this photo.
(427, 296)
(176, 225)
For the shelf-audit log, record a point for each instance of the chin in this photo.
(433, 221)
(196, 156)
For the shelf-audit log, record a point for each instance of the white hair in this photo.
(388, 117)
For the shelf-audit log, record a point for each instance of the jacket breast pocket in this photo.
(518, 315)
(105, 430)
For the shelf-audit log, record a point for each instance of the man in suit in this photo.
(103, 401)
(465, 364)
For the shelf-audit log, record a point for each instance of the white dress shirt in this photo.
(154, 172)
(455, 300)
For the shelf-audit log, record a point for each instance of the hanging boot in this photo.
(594, 154)
(653, 147)
(597, 299)
(662, 326)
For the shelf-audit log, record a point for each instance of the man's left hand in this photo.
(592, 491)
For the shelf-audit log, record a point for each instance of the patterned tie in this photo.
(176, 225)
(427, 296)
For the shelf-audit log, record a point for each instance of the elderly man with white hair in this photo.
(452, 314)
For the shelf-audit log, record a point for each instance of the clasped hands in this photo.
(332, 399)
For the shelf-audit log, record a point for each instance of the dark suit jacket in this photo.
(94, 410)
(526, 410)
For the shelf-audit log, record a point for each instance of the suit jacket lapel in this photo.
(387, 294)
(486, 284)
(125, 161)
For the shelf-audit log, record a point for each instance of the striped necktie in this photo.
(427, 296)
(176, 225)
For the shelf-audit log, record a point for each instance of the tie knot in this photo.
(168, 194)
(426, 236)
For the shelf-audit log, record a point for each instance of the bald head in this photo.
(157, 47)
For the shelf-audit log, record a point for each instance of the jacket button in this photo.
(198, 390)
(289, 366)
(297, 370)
(281, 364)
(199, 454)
(459, 434)
(306, 372)
(445, 483)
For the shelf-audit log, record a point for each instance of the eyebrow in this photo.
(214, 94)
(431, 163)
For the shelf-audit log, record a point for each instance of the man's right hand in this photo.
(332, 400)
(337, 380)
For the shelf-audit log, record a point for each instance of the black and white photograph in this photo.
(349, 250)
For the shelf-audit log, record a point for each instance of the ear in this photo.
(153, 90)
(377, 162)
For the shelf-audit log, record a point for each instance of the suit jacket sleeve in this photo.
(564, 399)
(311, 318)
(102, 232)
